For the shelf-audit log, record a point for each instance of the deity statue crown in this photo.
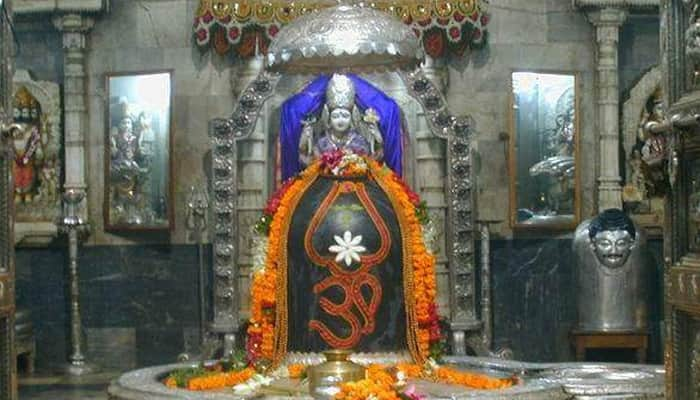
(340, 92)
(24, 99)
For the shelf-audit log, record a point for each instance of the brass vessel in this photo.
(325, 378)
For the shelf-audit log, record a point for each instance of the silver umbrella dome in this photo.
(347, 39)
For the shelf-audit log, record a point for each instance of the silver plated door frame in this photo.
(225, 133)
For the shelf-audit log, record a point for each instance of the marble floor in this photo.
(55, 387)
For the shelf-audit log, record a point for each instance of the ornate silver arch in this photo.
(464, 320)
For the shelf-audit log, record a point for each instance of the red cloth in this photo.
(24, 176)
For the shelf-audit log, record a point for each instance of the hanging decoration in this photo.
(244, 27)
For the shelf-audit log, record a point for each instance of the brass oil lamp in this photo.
(325, 379)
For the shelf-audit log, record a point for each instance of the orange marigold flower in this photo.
(476, 381)
(296, 371)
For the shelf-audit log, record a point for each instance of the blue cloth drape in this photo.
(311, 99)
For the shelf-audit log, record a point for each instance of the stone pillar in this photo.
(245, 71)
(607, 22)
(74, 28)
(436, 71)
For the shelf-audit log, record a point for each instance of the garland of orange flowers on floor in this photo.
(267, 330)
(379, 383)
(213, 380)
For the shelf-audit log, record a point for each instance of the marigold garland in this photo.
(378, 383)
(420, 287)
(213, 380)
(423, 288)
(264, 289)
(475, 381)
(381, 384)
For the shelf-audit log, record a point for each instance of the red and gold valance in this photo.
(240, 26)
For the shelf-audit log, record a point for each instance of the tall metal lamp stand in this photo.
(73, 225)
(196, 222)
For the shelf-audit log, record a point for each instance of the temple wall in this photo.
(539, 35)
(140, 290)
(639, 49)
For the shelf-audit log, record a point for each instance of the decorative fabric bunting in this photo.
(242, 26)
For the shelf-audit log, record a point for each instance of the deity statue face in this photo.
(340, 100)
(340, 120)
(25, 113)
(612, 247)
(126, 125)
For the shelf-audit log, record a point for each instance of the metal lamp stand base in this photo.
(73, 226)
(79, 368)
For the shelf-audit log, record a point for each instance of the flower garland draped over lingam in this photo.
(241, 26)
(267, 330)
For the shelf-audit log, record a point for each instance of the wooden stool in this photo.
(610, 340)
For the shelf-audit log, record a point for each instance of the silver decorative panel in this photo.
(460, 229)
(225, 134)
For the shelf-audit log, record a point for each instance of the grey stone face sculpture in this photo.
(612, 269)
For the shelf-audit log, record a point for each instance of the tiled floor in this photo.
(56, 387)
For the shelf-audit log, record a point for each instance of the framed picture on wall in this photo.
(544, 150)
(138, 189)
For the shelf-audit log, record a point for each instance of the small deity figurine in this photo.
(612, 274)
(654, 145)
(636, 189)
(565, 132)
(28, 147)
(340, 134)
(560, 139)
(128, 166)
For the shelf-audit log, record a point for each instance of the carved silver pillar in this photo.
(607, 22)
(225, 134)
(459, 235)
(73, 225)
(74, 28)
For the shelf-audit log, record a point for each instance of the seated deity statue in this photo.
(28, 148)
(129, 164)
(339, 117)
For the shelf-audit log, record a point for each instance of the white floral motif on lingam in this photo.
(348, 248)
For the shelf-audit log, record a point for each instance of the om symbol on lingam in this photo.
(361, 291)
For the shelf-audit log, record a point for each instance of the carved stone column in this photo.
(607, 22)
(74, 28)
(436, 71)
